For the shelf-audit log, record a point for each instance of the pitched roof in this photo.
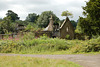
(67, 19)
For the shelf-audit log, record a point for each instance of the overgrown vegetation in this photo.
(30, 44)
(41, 44)
(86, 46)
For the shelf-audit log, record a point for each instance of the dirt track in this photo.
(83, 60)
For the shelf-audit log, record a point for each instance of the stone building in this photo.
(50, 26)
(66, 29)
(55, 31)
(47, 31)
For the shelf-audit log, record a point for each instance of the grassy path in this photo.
(83, 60)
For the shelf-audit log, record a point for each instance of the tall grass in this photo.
(41, 44)
(44, 44)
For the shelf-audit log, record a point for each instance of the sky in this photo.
(25, 7)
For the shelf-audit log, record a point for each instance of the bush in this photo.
(44, 44)
(92, 45)
(28, 36)
(36, 45)
(67, 36)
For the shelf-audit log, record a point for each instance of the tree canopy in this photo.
(91, 24)
(31, 17)
(66, 13)
(13, 15)
(43, 19)
(74, 23)
(1, 19)
(6, 25)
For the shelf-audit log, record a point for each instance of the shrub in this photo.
(28, 36)
(92, 45)
(67, 36)
(40, 44)
(44, 43)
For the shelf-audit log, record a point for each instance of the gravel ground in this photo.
(82, 59)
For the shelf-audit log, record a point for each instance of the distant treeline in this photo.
(32, 22)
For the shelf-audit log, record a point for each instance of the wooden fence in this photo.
(3, 36)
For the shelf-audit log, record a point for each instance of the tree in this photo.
(31, 17)
(20, 22)
(83, 25)
(66, 13)
(43, 19)
(91, 24)
(1, 19)
(74, 23)
(13, 15)
(92, 9)
(6, 25)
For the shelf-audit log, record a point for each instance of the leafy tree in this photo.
(6, 25)
(91, 24)
(74, 23)
(22, 22)
(92, 9)
(31, 17)
(66, 13)
(1, 19)
(43, 19)
(30, 27)
(13, 15)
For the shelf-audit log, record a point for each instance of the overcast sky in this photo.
(24, 7)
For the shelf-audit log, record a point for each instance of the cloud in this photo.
(24, 7)
(3, 5)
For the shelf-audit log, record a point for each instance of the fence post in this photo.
(2, 36)
(12, 36)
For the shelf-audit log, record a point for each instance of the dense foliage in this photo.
(74, 23)
(91, 24)
(43, 19)
(30, 44)
(9, 24)
(32, 17)
(6, 25)
(13, 15)
(1, 19)
(33, 46)
(66, 13)
(92, 45)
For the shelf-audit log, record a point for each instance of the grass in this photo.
(18, 61)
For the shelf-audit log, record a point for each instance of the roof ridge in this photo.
(67, 19)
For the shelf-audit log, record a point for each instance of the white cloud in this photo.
(24, 7)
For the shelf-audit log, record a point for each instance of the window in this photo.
(67, 29)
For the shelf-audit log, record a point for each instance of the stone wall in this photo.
(67, 29)
(41, 33)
